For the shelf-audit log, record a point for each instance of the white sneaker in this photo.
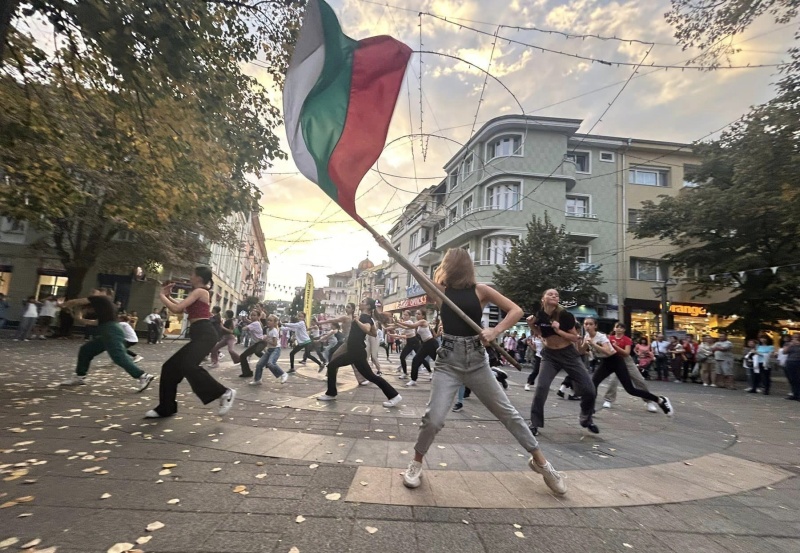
(402, 377)
(284, 377)
(138, 358)
(254, 383)
(553, 478)
(527, 387)
(222, 356)
(152, 414)
(226, 401)
(652, 407)
(42, 337)
(704, 384)
(144, 382)
(411, 383)
(666, 406)
(325, 397)
(713, 385)
(213, 365)
(394, 401)
(412, 475)
(606, 405)
(364, 383)
(75, 381)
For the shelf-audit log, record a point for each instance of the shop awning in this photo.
(581, 312)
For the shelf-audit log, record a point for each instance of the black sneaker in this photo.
(591, 427)
(666, 406)
(560, 394)
(534, 430)
(248, 375)
(574, 398)
(458, 407)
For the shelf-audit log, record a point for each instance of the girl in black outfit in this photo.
(356, 354)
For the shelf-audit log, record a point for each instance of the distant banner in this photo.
(309, 298)
(407, 303)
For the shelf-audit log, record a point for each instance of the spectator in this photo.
(3, 310)
(644, 357)
(765, 353)
(29, 315)
(153, 322)
(660, 349)
(723, 356)
(792, 352)
(705, 359)
(675, 349)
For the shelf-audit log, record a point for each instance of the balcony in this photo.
(471, 224)
(580, 215)
(427, 252)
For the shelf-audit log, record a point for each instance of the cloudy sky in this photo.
(307, 233)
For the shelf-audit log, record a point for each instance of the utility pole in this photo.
(662, 293)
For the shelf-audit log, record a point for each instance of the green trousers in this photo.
(111, 339)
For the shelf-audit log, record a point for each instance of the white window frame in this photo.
(466, 246)
(633, 211)
(515, 206)
(339, 284)
(489, 258)
(452, 214)
(452, 180)
(610, 158)
(467, 168)
(571, 156)
(413, 241)
(424, 236)
(465, 209)
(661, 175)
(493, 142)
(660, 269)
(588, 256)
(587, 197)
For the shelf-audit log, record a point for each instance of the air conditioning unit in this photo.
(602, 297)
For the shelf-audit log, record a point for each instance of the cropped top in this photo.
(424, 333)
(198, 310)
(467, 300)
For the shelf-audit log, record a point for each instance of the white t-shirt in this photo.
(256, 330)
(128, 332)
(273, 334)
(31, 311)
(152, 318)
(48, 308)
(600, 339)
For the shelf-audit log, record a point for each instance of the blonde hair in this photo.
(456, 271)
(557, 312)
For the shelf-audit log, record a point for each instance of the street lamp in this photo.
(661, 292)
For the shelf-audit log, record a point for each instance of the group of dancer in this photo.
(461, 357)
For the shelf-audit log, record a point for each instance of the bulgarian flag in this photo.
(338, 101)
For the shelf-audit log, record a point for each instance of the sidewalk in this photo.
(299, 475)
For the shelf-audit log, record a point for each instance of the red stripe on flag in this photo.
(379, 64)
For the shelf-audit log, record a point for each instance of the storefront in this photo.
(407, 303)
(51, 282)
(5, 278)
(643, 317)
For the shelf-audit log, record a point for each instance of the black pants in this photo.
(412, 344)
(185, 363)
(314, 347)
(616, 365)
(306, 347)
(386, 347)
(762, 378)
(152, 333)
(792, 370)
(65, 322)
(256, 348)
(128, 346)
(537, 363)
(428, 349)
(358, 358)
(688, 366)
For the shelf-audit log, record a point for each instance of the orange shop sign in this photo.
(407, 303)
(686, 309)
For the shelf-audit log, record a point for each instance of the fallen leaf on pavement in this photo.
(105, 496)
(333, 496)
(299, 519)
(143, 540)
(8, 504)
(168, 466)
(32, 543)
(363, 483)
(91, 469)
(313, 466)
(294, 550)
(120, 548)
(519, 534)
(24, 499)
(370, 529)
(239, 489)
(25, 515)
(517, 526)
(173, 501)
(164, 472)
(8, 542)
(216, 469)
(153, 526)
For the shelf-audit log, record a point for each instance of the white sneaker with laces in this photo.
(402, 377)
(527, 387)
(284, 377)
(394, 401)
(606, 405)
(226, 401)
(144, 382)
(213, 365)
(325, 397)
(75, 381)
(553, 478)
(666, 406)
(411, 383)
(412, 475)
(152, 414)
(652, 407)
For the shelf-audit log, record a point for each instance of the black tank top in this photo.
(468, 301)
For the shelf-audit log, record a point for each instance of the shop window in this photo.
(5, 282)
(51, 286)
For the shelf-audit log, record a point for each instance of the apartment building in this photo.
(515, 167)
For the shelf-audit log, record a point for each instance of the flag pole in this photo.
(431, 287)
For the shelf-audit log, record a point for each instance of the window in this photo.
(607, 156)
(649, 177)
(634, 216)
(497, 248)
(452, 215)
(582, 255)
(339, 284)
(12, 226)
(504, 146)
(688, 175)
(452, 180)
(582, 161)
(503, 196)
(413, 241)
(467, 166)
(648, 269)
(467, 205)
(424, 235)
(577, 206)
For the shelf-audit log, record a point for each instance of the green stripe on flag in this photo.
(325, 109)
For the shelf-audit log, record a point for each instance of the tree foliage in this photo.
(137, 116)
(743, 216)
(546, 258)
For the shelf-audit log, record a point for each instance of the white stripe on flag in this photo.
(305, 68)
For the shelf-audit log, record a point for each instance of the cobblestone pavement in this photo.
(83, 471)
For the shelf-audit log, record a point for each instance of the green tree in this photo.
(744, 215)
(139, 118)
(546, 258)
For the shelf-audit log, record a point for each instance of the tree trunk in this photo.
(75, 275)
(7, 9)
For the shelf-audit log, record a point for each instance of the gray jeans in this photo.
(553, 361)
(636, 378)
(462, 360)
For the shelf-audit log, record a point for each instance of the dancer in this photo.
(29, 316)
(409, 334)
(372, 347)
(152, 321)
(535, 346)
(383, 339)
(331, 340)
(109, 338)
(257, 344)
(356, 354)
(303, 341)
(346, 321)
(185, 363)
(131, 339)
(611, 361)
(428, 344)
(559, 353)
(228, 339)
(619, 339)
(463, 361)
(46, 316)
(270, 357)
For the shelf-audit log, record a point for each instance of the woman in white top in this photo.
(46, 315)
(131, 339)
(429, 344)
(29, 316)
